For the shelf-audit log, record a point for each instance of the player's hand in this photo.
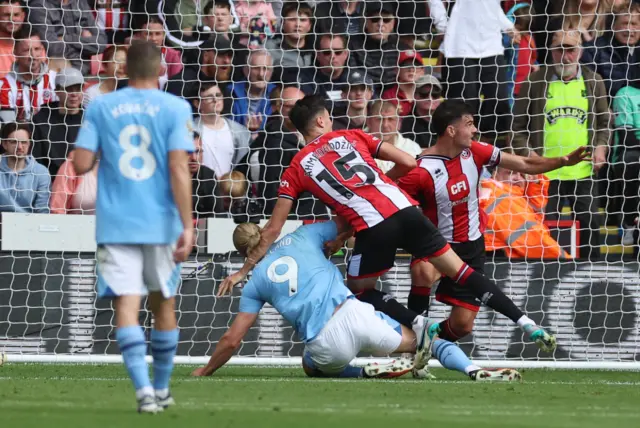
(184, 246)
(230, 282)
(200, 371)
(332, 247)
(578, 155)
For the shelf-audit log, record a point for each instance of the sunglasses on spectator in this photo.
(334, 52)
(385, 19)
(433, 93)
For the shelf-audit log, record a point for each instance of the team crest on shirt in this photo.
(284, 183)
(46, 95)
(466, 154)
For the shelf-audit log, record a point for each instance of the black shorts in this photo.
(375, 249)
(450, 292)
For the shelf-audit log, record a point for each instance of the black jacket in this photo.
(418, 130)
(54, 135)
(380, 60)
(186, 84)
(205, 200)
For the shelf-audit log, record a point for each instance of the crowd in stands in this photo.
(543, 76)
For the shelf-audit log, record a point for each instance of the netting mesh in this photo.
(543, 77)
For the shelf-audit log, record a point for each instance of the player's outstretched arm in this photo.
(539, 165)
(404, 162)
(181, 189)
(228, 344)
(83, 160)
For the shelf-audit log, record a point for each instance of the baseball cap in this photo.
(69, 77)
(409, 55)
(218, 43)
(428, 79)
(375, 8)
(359, 77)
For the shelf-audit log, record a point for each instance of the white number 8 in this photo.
(131, 152)
(291, 275)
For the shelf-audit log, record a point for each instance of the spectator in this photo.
(410, 69)
(251, 105)
(417, 125)
(358, 92)
(378, 50)
(626, 155)
(293, 49)
(70, 30)
(153, 31)
(219, 17)
(475, 66)
(384, 123)
(615, 54)
(224, 141)
(72, 193)
(330, 72)
(560, 108)
(24, 183)
(589, 17)
(233, 192)
(56, 125)
(206, 200)
(256, 22)
(12, 15)
(115, 76)
(214, 65)
(413, 21)
(30, 84)
(112, 17)
(521, 57)
(343, 17)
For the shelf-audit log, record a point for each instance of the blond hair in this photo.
(246, 237)
(233, 184)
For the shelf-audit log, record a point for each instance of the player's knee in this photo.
(424, 274)
(461, 325)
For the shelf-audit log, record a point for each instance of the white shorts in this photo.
(137, 270)
(355, 328)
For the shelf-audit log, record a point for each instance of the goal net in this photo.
(383, 67)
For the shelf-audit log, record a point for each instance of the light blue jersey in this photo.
(296, 278)
(133, 131)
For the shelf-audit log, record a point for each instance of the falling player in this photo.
(446, 183)
(339, 169)
(143, 213)
(298, 280)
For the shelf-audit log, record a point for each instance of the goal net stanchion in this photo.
(49, 312)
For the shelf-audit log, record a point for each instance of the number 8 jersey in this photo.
(133, 131)
(339, 169)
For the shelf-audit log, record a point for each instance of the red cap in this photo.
(410, 55)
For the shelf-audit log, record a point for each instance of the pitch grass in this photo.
(100, 396)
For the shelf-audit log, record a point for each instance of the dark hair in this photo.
(216, 3)
(523, 17)
(447, 113)
(305, 111)
(143, 60)
(10, 128)
(22, 4)
(331, 36)
(26, 32)
(298, 7)
(149, 19)
(111, 50)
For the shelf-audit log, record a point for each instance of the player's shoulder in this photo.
(481, 146)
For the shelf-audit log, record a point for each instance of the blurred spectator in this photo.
(256, 21)
(24, 183)
(626, 155)
(559, 109)
(413, 21)
(30, 84)
(384, 123)
(378, 50)
(417, 125)
(330, 72)
(56, 125)
(72, 193)
(69, 29)
(214, 65)
(615, 54)
(521, 57)
(12, 15)
(224, 141)
(251, 105)
(589, 17)
(114, 64)
(358, 92)
(219, 17)
(153, 31)
(293, 49)
(473, 52)
(232, 192)
(410, 69)
(206, 201)
(112, 17)
(340, 17)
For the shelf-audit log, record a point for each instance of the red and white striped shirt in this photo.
(339, 169)
(447, 190)
(111, 14)
(25, 98)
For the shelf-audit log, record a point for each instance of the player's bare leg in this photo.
(163, 345)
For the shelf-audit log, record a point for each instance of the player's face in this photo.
(195, 157)
(17, 144)
(30, 55)
(465, 131)
(11, 18)
(154, 33)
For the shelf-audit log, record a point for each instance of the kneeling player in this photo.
(308, 290)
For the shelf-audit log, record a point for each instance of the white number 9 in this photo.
(291, 275)
(131, 152)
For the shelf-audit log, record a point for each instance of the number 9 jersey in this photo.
(296, 278)
(132, 132)
(339, 169)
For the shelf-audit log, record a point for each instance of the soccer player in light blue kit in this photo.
(143, 213)
(297, 279)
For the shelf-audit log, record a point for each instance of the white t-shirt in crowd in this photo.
(218, 149)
